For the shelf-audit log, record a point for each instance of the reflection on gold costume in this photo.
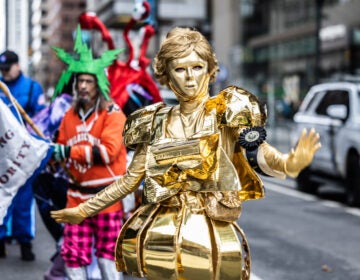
(194, 183)
(180, 243)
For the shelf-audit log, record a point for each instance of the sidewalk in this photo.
(12, 268)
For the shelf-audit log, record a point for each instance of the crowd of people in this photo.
(196, 162)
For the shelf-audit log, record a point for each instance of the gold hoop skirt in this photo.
(175, 239)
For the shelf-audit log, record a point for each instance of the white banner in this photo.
(21, 155)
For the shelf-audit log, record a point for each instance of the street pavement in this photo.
(12, 268)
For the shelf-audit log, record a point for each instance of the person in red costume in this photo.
(132, 86)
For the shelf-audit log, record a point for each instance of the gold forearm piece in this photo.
(120, 188)
(274, 163)
(271, 161)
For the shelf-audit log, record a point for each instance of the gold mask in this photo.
(189, 77)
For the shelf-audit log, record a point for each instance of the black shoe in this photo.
(2, 249)
(26, 252)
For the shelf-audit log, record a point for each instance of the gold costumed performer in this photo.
(199, 161)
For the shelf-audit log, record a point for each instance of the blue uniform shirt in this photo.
(28, 93)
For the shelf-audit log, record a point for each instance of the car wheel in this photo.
(304, 183)
(353, 180)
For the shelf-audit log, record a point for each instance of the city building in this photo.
(275, 48)
(15, 31)
(32, 27)
(289, 45)
(59, 19)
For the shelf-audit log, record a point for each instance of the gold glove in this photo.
(300, 157)
(73, 215)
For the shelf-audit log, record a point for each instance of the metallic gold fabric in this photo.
(128, 254)
(223, 206)
(220, 161)
(230, 257)
(140, 119)
(271, 161)
(172, 162)
(180, 242)
(243, 108)
(176, 165)
(172, 236)
(251, 185)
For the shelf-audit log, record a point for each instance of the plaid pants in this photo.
(99, 232)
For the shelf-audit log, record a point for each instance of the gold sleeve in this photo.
(274, 163)
(271, 161)
(127, 184)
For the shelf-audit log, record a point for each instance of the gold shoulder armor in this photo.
(138, 126)
(242, 108)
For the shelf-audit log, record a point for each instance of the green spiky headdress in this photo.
(85, 63)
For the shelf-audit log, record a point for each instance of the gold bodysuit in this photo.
(195, 177)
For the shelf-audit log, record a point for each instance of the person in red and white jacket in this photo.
(90, 141)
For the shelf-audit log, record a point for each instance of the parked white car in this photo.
(333, 109)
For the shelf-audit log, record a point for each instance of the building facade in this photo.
(15, 29)
(58, 23)
(283, 46)
(32, 27)
(291, 44)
